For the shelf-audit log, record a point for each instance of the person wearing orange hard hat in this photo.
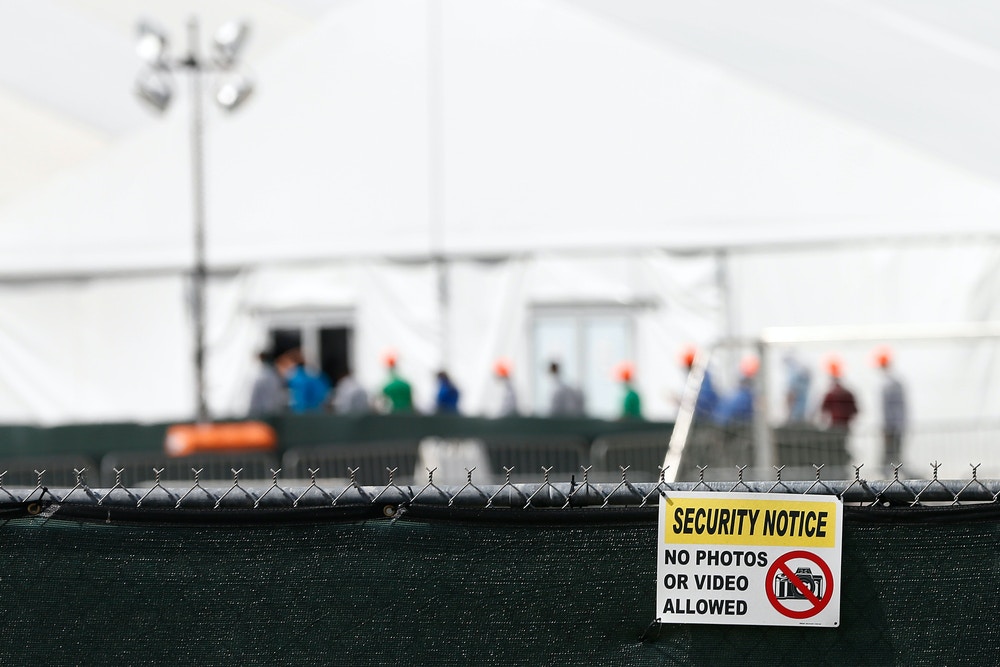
(631, 402)
(708, 399)
(397, 391)
(508, 399)
(893, 408)
(839, 406)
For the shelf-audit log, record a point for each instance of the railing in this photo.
(712, 453)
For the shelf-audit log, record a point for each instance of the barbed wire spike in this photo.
(777, 478)
(468, 483)
(739, 479)
(389, 485)
(197, 485)
(81, 485)
(430, 485)
(236, 485)
(546, 484)
(118, 485)
(507, 471)
(274, 485)
(312, 485)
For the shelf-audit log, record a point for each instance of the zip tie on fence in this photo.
(586, 486)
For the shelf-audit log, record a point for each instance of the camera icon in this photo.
(784, 589)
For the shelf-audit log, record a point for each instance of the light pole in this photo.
(155, 86)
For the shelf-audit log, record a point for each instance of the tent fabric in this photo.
(443, 126)
(440, 172)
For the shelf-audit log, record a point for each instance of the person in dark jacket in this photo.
(839, 406)
(446, 402)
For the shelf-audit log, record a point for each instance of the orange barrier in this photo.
(187, 439)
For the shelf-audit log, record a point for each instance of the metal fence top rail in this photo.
(545, 494)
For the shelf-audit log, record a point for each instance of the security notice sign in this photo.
(749, 559)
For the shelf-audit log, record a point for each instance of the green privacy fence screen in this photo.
(434, 584)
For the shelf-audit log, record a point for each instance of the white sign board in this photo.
(749, 559)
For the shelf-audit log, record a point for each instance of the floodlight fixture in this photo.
(155, 88)
(229, 40)
(233, 92)
(152, 44)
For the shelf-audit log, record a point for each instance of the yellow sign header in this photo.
(784, 523)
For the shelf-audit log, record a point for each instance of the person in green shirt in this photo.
(631, 404)
(397, 390)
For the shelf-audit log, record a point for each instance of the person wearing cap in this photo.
(267, 395)
(566, 401)
(508, 399)
(893, 408)
(738, 406)
(308, 387)
(349, 397)
(631, 402)
(446, 401)
(839, 406)
(708, 399)
(397, 390)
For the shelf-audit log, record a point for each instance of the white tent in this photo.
(467, 180)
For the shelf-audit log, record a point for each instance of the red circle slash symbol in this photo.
(807, 593)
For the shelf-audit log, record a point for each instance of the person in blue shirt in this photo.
(446, 402)
(307, 387)
(737, 408)
(708, 399)
(797, 395)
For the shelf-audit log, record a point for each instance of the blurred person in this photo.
(446, 401)
(708, 398)
(308, 388)
(839, 406)
(349, 397)
(631, 402)
(566, 401)
(737, 408)
(893, 409)
(267, 395)
(797, 393)
(397, 391)
(508, 398)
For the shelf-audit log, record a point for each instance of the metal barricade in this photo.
(641, 452)
(527, 456)
(370, 461)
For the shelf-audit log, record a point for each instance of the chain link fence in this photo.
(556, 571)
(577, 492)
